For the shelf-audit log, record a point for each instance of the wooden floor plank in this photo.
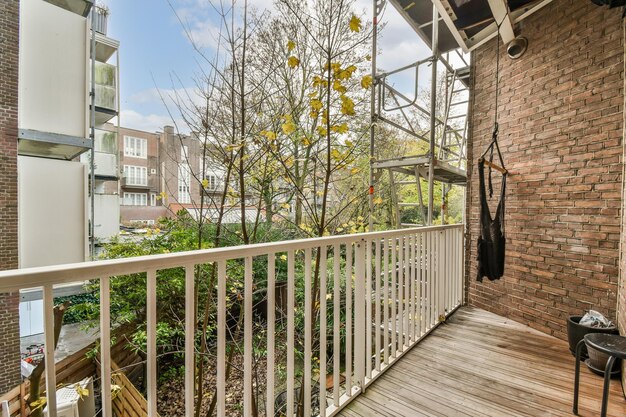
(481, 364)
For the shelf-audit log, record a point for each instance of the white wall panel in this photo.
(52, 211)
(53, 94)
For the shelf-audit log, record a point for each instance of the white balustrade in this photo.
(379, 295)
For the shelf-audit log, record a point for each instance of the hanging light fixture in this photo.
(517, 47)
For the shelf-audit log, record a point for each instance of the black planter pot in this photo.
(597, 362)
(576, 332)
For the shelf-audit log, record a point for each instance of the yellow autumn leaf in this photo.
(355, 24)
(313, 114)
(283, 257)
(162, 196)
(306, 141)
(347, 106)
(337, 86)
(378, 200)
(349, 143)
(316, 105)
(82, 392)
(321, 131)
(355, 170)
(269, 135)
(291, 45)
(205, 183)
(335, 154)
(286, 206)
(293, 61)
(366, 81)
(342, 128)
(319, 82)
(288, 126)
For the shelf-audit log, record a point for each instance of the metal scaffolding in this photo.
(446, 117)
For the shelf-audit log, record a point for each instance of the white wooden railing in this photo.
(403, 283)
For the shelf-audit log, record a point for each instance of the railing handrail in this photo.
(16, 279)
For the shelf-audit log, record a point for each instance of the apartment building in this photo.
(165, 173)
(140, 182)
(49, 124)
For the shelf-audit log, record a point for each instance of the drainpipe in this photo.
(92, 135)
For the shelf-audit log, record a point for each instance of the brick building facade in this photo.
(9, 311)
(561, 128)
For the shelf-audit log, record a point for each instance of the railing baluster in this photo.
(291, 281)
(323, 291)
(385, 247)
(348, 319)
(271, 322)
(394, 298)
(48, 330)
(247, 350)
(407, 292)
(359, 314)
(400, 298)
(308, 309)
(336, 323)
(190, 329)
(377, 304)
(152, 348)
(368, 308)
(419, 276)
(105, 346)
(221, 338)
(428, 282)
(413, 288)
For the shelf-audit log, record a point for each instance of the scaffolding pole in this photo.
(433, 109)
(377, 6)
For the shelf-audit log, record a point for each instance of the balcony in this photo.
(106, 92)
(398, 340)
(106, 155)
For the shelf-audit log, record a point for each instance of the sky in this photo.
(156, 55)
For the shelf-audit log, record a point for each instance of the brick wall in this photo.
(561, 135)
(9, 318)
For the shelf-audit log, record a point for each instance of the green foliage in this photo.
(81, 307)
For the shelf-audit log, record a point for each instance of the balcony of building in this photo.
(106, 164)
(390, 312)
(106, 95)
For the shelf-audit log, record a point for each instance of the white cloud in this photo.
(168, 96)
(149, 123)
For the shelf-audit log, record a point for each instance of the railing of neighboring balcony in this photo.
(401, 285)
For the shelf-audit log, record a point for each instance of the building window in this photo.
(135, 199)
(153, 199)
(136, 175)
(135, 147)
(184, 179)
(212, 182)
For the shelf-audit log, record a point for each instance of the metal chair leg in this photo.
(579, 348)
(607, 381)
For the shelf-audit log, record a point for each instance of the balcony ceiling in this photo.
(51, 145)
(466, 24)
(105, 47)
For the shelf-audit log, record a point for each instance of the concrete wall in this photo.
(53, 212)
(9, 310)
(53, 91)
(561, 135)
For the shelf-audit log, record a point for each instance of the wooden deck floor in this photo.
(481, 364)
